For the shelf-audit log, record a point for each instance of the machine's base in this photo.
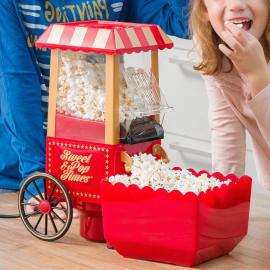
(91, 226)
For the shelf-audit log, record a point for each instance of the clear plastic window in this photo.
(81, 96)
(81, 85)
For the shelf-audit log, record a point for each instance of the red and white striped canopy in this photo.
(104, 37)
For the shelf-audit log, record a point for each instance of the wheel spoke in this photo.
(58, 217)
(57, 200)
(46, 224)
(52, 191)
(53, 223)
(60, 208)
(32, 214)
(40, 218)
(38, 190)
(45, 188)
(34, 196)
(28, 203)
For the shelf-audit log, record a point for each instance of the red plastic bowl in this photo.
(175, 228)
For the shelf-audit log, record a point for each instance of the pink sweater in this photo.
(232, 111)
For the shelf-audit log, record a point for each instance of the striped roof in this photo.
(104, 37)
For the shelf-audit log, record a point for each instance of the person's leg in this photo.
(22, 137)
(20, 92)
(10, 177)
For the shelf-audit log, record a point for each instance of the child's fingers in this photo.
(228, 52)
(240, 35)
(231, 41)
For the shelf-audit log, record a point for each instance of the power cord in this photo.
(10, 216)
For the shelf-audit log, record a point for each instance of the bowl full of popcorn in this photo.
(176, 216)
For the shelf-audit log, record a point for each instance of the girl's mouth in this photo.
(243, 23)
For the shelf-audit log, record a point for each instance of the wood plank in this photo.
(112, 126)
(155, 71)
(54, 71)
(19, 250)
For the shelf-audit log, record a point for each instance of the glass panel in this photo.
(81, 96)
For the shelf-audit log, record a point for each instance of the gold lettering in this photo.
(65, 154)
(97, 11)
(83, 169)
(82, 12)
(58, 14)
(71, 176)
(90, 10)
(88, 158)
(72, 157)
(76, 165)
(71, 8)
(64, 166)
(103, 6)
(84, 158)
(49, 11)
(72, 167)
(64, 17)
(85, 11)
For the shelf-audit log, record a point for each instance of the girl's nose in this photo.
(236, 5)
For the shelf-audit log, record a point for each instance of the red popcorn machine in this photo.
(99, 114)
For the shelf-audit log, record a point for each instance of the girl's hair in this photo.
(208, 41)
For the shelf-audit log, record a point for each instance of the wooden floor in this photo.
(20, 250)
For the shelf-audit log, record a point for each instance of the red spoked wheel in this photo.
(47, 215)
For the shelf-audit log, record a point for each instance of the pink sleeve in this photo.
(228, 137)
(260, 106)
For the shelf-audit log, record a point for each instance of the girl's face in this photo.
(250, 15)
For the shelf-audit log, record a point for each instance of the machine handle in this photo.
(125, 157)
(158, 150)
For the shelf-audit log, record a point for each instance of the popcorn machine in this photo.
(99, 114)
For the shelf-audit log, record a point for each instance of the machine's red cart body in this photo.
(81, 165)
(80, 152)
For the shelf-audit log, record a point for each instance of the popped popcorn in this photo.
(81, 88)
(147, 170)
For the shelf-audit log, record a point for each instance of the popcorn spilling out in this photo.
(148, 171)
(81, 88)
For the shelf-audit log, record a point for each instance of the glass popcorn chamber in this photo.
(104, 154)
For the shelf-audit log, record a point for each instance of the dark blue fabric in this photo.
(24, 71)
(21, 117)
(171, 15)
(23, 92)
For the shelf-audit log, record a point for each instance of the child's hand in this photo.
(247, 55)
